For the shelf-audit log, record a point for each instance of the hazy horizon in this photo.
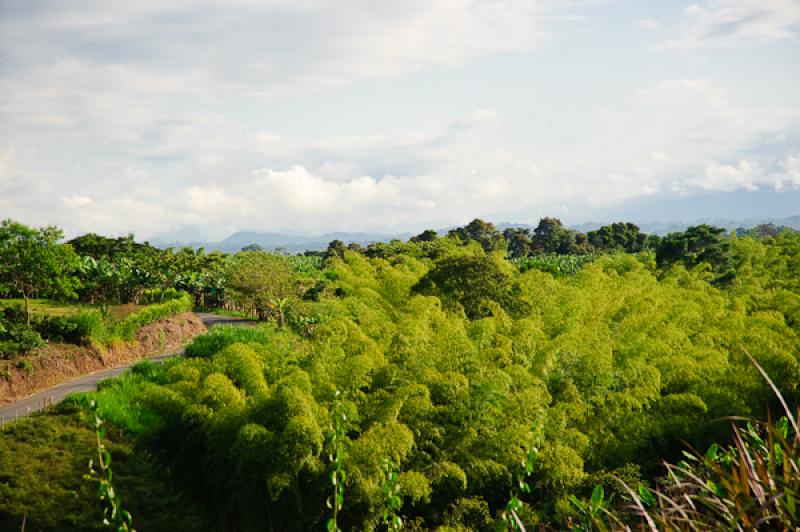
(216, 116)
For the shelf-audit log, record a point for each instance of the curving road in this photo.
(87, 383)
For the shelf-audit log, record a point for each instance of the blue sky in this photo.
(391, 116)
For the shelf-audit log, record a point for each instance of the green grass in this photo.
(43, 460)
(49, 307)
(230, 313)
(116, 397)
(222, 336)
(126, 328)
(80, 324)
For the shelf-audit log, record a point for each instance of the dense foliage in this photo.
(441, 385)
(261, 281)
(84, 327)
(451, 368)
(101, 270)
(43, 462)
(33, 261)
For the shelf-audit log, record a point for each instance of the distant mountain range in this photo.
(662, 228)
(298, 243)
(281, 241)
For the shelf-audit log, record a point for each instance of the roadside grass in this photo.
(79, 324)
(116, 397)
(43, 460)
(125, 329)
(222, 336)
(231, 313)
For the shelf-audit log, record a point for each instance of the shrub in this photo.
(222, 336)
(220, 392)
(75, 329)
(127, 327)
(557, 265)
(470, 282)
(88, 324)
(13, 314)
(158, 295)
(26, 366)
(243, 367)
(16, 336)
(57, 328)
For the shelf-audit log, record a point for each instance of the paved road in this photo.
(87, 383)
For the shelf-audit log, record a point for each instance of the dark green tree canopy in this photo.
(520, 243)
(484, 233)
(618, 236)
(335, 249)
(551, 237)
(696, 245)
(470, 282)
(428, 235)
(763, 230)
(97, 246)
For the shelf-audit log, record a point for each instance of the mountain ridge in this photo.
(290, 243)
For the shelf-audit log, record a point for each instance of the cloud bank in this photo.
(148, 116)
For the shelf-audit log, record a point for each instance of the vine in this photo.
(114, 515)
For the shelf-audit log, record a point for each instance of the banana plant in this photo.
(278, 307)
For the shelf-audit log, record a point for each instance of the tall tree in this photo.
(618, 236)
(698, 244)
(551, 237)
(519, 241)
(261, 281)
(336, 248)
(428, 235)
(102, 280)
(481, 232)
(471, 282)
(32, 262)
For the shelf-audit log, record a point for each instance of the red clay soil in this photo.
(56, 363)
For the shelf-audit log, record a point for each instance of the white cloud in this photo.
(672, 90)
(729, 177)
(150, 115)
(788, 175)
(647, 24)
(723, 23)
(208, 201)
(262, 47)
(615, 187)
(460, 171)
(76, 200)
(749, 175)
(5, 165)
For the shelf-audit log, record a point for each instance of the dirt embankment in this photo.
(57, 363)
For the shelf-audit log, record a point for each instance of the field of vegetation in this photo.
(480, 380)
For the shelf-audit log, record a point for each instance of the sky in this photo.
(311, 116)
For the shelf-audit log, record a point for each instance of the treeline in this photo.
(551, 246)
(102, 271)
(35, 263)
(86, 276)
